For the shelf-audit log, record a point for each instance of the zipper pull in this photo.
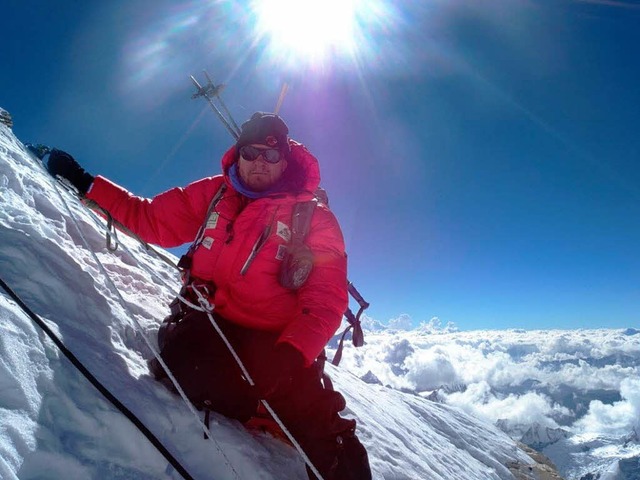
(259, 243)
(256, 248)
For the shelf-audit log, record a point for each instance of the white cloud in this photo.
(402, 322)
(529, 408)
(430, 369)
(435, 325)
(544, 377)
(618, 419)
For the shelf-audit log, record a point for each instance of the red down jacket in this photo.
(308, 317)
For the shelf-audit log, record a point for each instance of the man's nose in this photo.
(262, 160)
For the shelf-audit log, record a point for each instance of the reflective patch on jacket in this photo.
(212, 221)
(283, 231)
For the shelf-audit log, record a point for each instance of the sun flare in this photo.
(312, 30)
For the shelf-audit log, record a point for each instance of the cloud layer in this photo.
(585, 381)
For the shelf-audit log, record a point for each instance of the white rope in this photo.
(101, 223)
(139, 327)
(205, 306)
(188, 303)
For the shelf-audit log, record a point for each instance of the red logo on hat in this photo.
(271, 141)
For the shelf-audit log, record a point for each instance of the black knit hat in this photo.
(265, 129)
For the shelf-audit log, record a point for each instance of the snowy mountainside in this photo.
(54, 424)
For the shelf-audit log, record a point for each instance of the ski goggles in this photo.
(250, 153)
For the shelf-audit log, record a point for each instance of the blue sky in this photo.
(482, 159)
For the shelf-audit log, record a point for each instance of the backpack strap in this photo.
(301, 220)
(185, 261)
(298, 261)
(177, 306)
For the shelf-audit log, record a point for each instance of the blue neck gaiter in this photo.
(240, 188)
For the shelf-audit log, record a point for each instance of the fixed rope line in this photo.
(205, 306)
(112, 225)
(139, 327)
(146, 339)
(96, 383)
(94, 207)
(112, 222)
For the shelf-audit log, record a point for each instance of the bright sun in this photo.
(310, 29)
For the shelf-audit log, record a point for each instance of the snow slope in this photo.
(54, 424)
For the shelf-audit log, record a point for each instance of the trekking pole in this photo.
(205, 306)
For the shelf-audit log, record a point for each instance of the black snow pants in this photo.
(211, 378)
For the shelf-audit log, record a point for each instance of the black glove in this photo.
(63, 164)
(285, 361)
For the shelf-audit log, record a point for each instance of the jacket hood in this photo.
(302, 173)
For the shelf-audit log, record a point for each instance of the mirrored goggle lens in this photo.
(250, 153)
